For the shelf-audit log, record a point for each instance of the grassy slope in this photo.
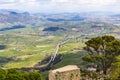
(71, 59)
(28, 50)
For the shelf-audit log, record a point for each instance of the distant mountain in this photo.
(12, 16)
(6, 10)
(13, 27)
(74, 18)
(117, 15)
(15, 17)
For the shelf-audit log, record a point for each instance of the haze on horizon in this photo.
(59, 6)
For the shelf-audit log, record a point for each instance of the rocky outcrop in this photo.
(70, 72)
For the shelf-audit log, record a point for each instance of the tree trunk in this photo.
(98, 69)
(104, 71)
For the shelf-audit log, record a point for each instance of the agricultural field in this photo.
(25, 47)
(27, 50)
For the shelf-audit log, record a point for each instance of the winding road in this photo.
(53, 56)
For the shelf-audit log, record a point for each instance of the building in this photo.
(70, 72)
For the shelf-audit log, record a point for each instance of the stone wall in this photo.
(66, 75)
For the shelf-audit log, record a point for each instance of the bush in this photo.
(13, 74)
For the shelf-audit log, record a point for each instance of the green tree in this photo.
(102, 51)
(35, 76)
(2, 74)
(115, 70)
(13, 74)
(14, 77)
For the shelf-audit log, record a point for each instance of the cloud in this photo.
(61, 1)
(6, 2)
(61, 5)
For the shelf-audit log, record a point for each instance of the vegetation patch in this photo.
(2, 47)
(53, 29)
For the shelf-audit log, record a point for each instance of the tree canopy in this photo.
(12, 74)
(102, 51)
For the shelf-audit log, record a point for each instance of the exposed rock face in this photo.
(70, 72)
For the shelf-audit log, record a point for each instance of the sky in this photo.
(60, 6)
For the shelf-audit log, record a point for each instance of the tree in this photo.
(2, 74)
(35, 76)
(14, 77)
(102, 51)
(115, 70)
(13, 74)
